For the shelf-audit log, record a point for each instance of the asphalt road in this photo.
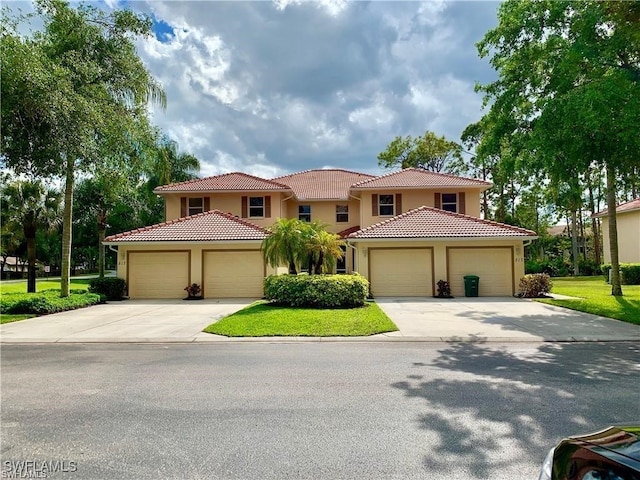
(316, 411)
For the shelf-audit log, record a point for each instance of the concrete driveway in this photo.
(498, 319)
(128, 321)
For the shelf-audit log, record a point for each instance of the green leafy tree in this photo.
(568, 90)
(285, 243)
(429, 151)
(324, 248)
(68, 91)
(33, 207)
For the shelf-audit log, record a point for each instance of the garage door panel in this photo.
(401, 272)
(158, 274)
(494, 266)
(233, 274)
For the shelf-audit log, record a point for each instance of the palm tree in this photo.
(285, 244)
(169, 166)
(31, 205)
(325, 249)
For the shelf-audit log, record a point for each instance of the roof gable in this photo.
(322, 184)
(429, 222)
(622, 208)
(419, 178)
(209, 226)
(234, 181)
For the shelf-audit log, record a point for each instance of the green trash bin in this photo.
(471, 285)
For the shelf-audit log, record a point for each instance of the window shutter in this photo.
(438, 202)
(207, 204)
(461, 203)
(245, 210)
(267, 206)
(398, 203)
(374, 205)
(183, 206)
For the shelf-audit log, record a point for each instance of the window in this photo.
(256, 207)
(385, 205)
(196, 205)
(304, 213)
(341, 263)
(342, 213)
(449, 202)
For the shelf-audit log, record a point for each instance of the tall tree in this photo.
(569, 84)
(32, 206)
(324, 248)
(286, 244)
(72, 87)
(429, 151)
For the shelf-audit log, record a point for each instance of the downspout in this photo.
(355, 257)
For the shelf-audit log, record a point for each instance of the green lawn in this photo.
(41, 285)
(594, 296)
(263, 320)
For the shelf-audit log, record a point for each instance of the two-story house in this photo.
(404, 231)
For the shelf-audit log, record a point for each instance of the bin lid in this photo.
(472, 277)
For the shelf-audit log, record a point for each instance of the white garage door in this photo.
(401, 272)
(158, 274)
(231, 274)
(494, 266)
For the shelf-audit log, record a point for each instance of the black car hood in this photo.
(620, 444)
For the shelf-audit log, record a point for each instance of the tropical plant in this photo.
(31, 205)
(285, 244)
(324, 249)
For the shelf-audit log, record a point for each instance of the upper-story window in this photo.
(386, 205)
(342, 213)
(304, 213)
(450, 202)
(256, 207)
(196, 206)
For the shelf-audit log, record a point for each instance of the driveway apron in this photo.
(127, 321)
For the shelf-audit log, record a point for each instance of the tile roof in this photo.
(234, 181)
(428, 222)
(622, 208)
(348, 231)
(209, 226)
(330, 184)
(418, 177)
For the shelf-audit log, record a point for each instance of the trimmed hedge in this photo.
(535, 285)
(111, 287)
(46, 302)
(630, 273)
(317, 291)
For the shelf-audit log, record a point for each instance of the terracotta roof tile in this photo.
(348, 231)
(209, 226)
(622, 208)
(330, 184)
(429, 222)
(418, 178)
(235, 181)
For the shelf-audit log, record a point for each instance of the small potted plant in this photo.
(193, 292)
(444, 289)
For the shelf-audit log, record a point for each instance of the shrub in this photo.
(630, 273)
(588, 267)
(535, 285)
(112, 288)
(46, 302)
(317, 291)
(444, 289)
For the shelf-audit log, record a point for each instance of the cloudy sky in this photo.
(273, 87)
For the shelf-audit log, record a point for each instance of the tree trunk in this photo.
(67, 229)
(574, 242)
(31, 256)
(319, 263)
(594, 227)
(102, 226)
(616, 288)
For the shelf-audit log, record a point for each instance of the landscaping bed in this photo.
(593, 295)
(262, 319)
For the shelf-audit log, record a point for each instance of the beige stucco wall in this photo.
(195, 269)
(412, 199)
(228, 203)
(325, 212)
(440, 254)
(628, 237)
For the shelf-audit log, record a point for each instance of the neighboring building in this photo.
(404, 231)
(628, 221)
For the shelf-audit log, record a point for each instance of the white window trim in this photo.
(342, 213)
(443, 203)
(392, 205)
(249, 207)
(305, 214)
(195, 210)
